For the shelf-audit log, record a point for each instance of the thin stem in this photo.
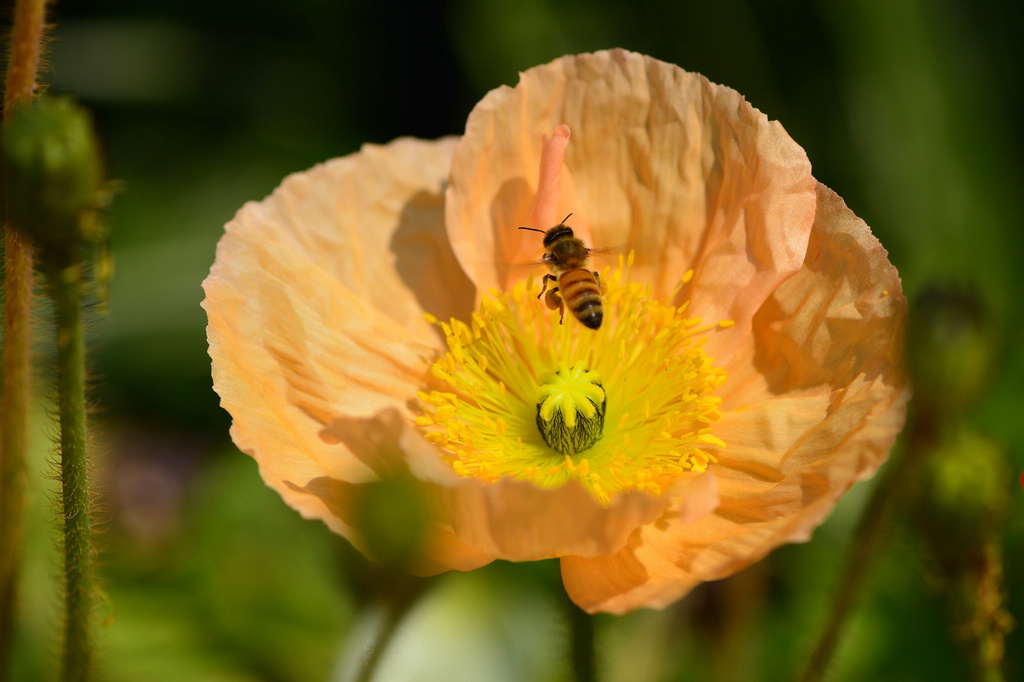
(388, 628)
(741, 603)
(23, 60)
(868, 538)
(395, 610)
(77, 653)
(581, 629)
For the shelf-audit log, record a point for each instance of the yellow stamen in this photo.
(525, 396)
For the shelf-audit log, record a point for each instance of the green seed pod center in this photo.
(570, 409)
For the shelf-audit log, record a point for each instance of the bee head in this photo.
(559, 231)
(555, 233)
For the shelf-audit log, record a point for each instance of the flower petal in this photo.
(473, 522)
(813, 405)
(519, 521)
(662, 161)
(316, 302)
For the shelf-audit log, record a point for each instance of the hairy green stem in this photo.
(66, 291)
(23, 64)
(13, 426)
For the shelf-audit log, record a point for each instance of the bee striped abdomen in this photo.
(582, 295)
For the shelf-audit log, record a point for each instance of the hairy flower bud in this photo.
(952, 348)
(52, 170)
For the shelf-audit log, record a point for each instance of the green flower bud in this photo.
(963, 496)
(52, 170)
(951, 349)
(391, 518)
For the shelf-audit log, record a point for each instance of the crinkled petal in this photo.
(316, 302)
(811, 406)
(661, 161)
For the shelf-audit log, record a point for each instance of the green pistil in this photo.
(570, 409)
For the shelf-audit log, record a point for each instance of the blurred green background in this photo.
(907, 108)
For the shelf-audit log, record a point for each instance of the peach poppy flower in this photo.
(369, 320)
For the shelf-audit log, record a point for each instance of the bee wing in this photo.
(531, 263)
(520, 269)
(524, 266)
(606, 255)
(603, 254)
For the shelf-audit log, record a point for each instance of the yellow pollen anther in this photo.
(712, 439)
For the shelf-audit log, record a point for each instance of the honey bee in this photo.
(575, 286)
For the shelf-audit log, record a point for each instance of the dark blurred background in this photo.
(907, 108)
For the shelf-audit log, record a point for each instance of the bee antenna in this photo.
(534, 229)
(565, 218)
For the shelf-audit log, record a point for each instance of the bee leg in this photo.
(553, 300)
(544, 281)
(603, 285)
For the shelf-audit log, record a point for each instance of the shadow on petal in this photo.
(425, 262)
(389, 446)
(373, 441)
(510, 205)
(843, 317)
